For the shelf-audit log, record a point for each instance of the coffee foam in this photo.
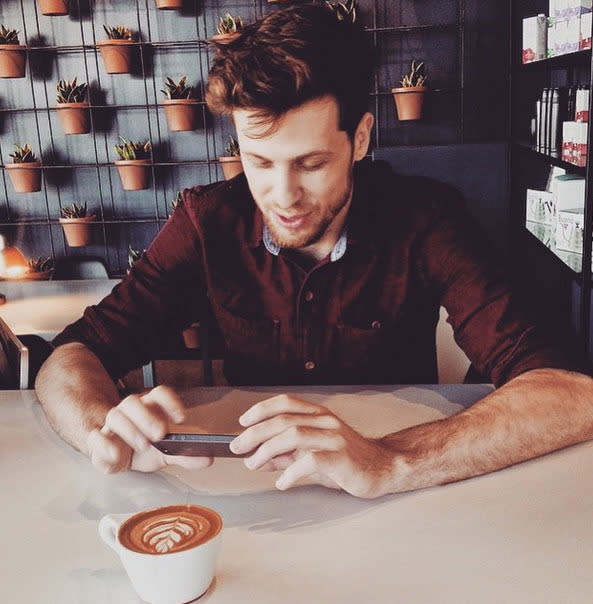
(169, 529)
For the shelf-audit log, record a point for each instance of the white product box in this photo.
(540, 207)
(561, 37)
(569, 230)
(573, 34)
(558, 9)
(586, 23)
(569, 191)
(535, 33)
(578, 7)
(568, 140)
(580, 146)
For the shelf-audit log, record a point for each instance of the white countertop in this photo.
(521, 535)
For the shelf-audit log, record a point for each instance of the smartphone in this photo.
(197, 445)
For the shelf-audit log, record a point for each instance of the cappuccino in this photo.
(169, 529)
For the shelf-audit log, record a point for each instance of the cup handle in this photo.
(108, 527)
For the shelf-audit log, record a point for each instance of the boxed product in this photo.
(539, 207)
(558, 9)
(561, 37)
(578, 7)
(573, 34)
(535, 30)
(580, 146)
(569, 192)
(569, 230)
(568, 140)
(586, 23)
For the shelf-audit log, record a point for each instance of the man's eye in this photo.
(263, 165)
(312, 167)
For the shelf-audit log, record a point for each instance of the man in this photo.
(320, 268)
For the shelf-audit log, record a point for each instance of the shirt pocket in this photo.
(253, 339)
(361, 350)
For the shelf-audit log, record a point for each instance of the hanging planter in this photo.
(76, 223)
(25, 170)
(409, 98)
(228, 28)
(13, 55)
(116, 51)
(134, 165)
(53, 8)
(72, 108)
(180, 107)
(169, 4)
(231, 162)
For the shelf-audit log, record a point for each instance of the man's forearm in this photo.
(535, 413)
(76, 392)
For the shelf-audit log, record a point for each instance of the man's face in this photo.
(300, 174)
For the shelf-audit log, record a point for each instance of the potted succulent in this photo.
(25, 170)
(133, 255)
(228, 28)
(169, 4)
(410, 97)
(231, 162)
(73, 108)
(13, 55)
(39, 269)
(134, 165)
(179, 104)
(117, 49)
(344, 11)
(76, 222)
(53, 7)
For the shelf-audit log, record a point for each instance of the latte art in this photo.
(169, 529)
(167, 534)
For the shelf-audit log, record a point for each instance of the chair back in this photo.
(80, 267)
(14, 360)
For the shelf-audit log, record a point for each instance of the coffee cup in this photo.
(169, 553)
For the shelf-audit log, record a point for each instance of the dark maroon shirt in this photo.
(368, 317)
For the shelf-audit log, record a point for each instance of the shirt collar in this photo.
(337, 252)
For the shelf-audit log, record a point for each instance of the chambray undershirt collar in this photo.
(337, 252)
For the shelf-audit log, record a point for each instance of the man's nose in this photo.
(287, 188)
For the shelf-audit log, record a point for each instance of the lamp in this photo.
(12, 263)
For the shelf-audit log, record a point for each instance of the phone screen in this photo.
(197, 445)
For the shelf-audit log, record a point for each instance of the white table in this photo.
(45, 307)
(522, 535)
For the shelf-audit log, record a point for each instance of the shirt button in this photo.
(376, 324)
(309, 365)
(309, 296)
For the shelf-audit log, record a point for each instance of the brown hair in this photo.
(289, 57)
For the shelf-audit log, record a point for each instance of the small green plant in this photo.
(344, 11)
(71, 92)
(133, 255)
(232, 147)
(417, 76)
(229, 24)
(118, 32)
(133, 150)
(177, 90)
(175, 202)
(40, 265)
(8, 36)
(23, 155)
(74, 211)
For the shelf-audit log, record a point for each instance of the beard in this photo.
(318, 221)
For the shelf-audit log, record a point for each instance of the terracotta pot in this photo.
(74, 117)
(225, 38)
(409, 102)
(12, 60)
(134, 173)
(26, 178)
(77, 230)
(38, 276)
(117, 55)
(53, 7)
(169, 4)
(181, 114)
(231, 166)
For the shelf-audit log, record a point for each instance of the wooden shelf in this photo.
(553, 160)
(561, 61)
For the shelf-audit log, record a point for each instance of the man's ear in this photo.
(362, 136)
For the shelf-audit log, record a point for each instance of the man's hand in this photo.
(310, 443)
(124, 442)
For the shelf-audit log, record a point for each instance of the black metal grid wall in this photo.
(79, 168)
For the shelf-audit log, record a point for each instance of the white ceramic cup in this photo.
(167, 578)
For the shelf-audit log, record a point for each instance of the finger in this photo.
(187, 462)
(108, 452)
(297, 438)
(255, 435)
(281, 462)
(119, 423)
(148, 418)
(306, 467)
(275, 405)
(168, 400)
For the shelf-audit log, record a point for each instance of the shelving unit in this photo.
(568, 291)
